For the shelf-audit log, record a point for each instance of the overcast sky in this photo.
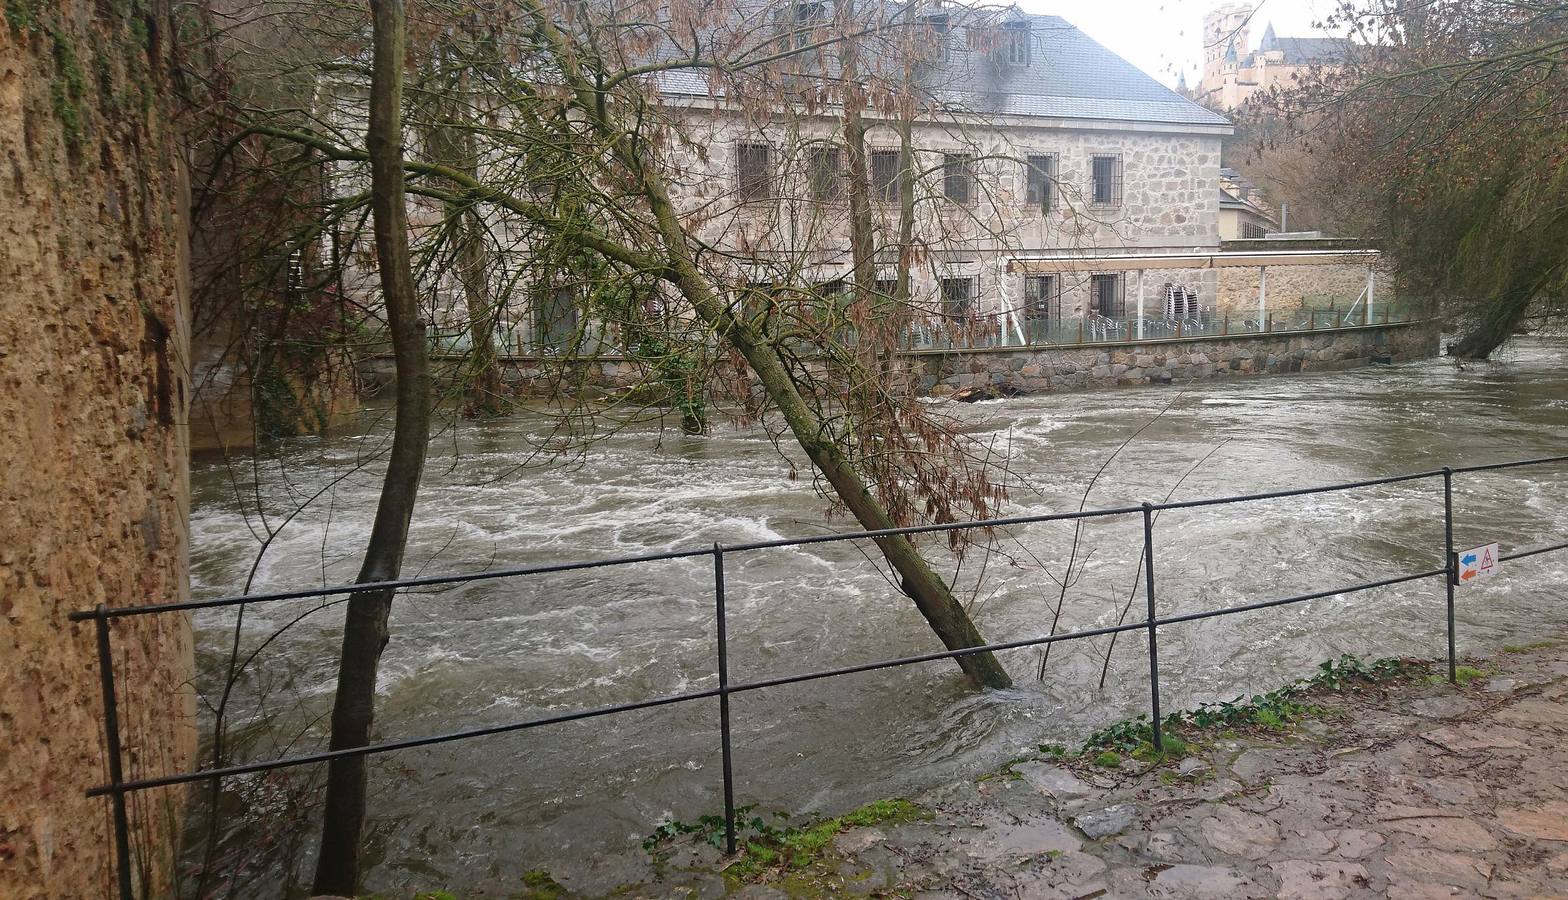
(1163, 37)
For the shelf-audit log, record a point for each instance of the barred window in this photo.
(1042, 298)
(754, 171)
(958, 177)
(1015, 44)
(884, 175)
(958, 295)
(1253, 231)
(1106, 179)
(797, 21)
(824, 169)
(1107, 297)
(1040, 181)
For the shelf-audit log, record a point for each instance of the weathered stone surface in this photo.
(1446, 832)
(94, 416)
(1548, 822)
(1236, 833)
(1301, 879)
(1100, 823)
(1053, 781)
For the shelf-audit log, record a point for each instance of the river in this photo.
(478, 813)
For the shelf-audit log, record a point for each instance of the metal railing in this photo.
(999, 330)
(118, 787)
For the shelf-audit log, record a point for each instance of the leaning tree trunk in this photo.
(942, 611)
(365, 630)
(1495, 326)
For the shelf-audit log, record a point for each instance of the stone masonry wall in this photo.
(1070, 368)
(93, 397)
(1288, 286)
(1165, 362)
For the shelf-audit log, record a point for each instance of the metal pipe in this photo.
(1453, 567)
(724, 699)
(1153, 623)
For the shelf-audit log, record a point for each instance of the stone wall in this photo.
(1067, 368)
(1289, 286)
(93, 399)
(1165, 362)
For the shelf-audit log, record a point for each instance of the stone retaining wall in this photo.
(1162, 362)
(1079, 367)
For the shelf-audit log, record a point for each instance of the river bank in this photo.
(1398, 784)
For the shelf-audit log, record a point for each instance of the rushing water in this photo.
(480, 812)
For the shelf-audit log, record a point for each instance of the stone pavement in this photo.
(1414, 790)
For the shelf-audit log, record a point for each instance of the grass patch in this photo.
(1277, 710)
(1467, 674)
(1526, 648)
(1108, 759)
(538, 885)
(776, 852)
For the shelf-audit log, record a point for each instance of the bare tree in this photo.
(365, 628)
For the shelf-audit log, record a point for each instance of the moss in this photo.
(785, 853)
(1526, 648)
(21, 16)
(538, 885)
(1467, 674)
(1108, 759)
(67, 89)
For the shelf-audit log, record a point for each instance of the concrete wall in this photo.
(93, 398)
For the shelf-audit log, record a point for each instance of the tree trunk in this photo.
(1497, 322)
(484, 379)
(365, 630)
(932, 596)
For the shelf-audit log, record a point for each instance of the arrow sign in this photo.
(1478, 562)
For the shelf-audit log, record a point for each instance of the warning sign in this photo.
(1478, 562)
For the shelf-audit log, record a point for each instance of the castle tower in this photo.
(1224, 32)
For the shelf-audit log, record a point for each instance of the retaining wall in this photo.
(1084, 367)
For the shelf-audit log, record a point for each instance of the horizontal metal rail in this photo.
(118, 788)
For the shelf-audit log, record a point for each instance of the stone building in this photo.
(1060, 193)
(1234, 71)
(1049, 147)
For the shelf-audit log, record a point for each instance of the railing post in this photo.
(1452, 564)
(111, 726)
(724, 699)
(1154, 646)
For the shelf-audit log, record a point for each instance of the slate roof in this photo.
(1069, 76)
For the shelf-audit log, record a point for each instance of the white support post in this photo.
(1140, 304)
(1371, 284)
(1007, 303)
(1263, 297)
